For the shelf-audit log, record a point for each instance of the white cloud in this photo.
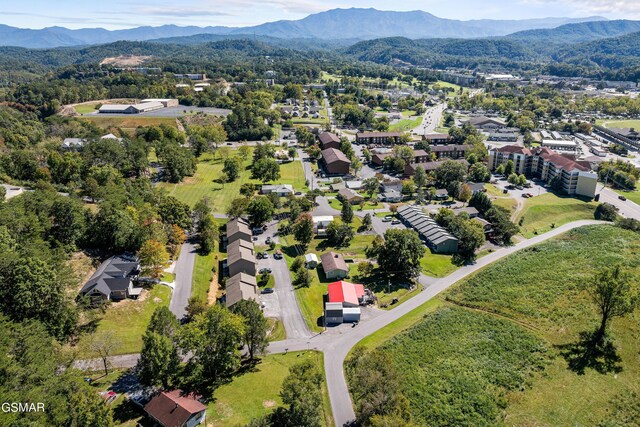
(619, 8)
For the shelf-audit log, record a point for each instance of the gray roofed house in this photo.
(350, 196)
(73, 143)
(241, 259)
(239, 287)
(238, 229)
(282, 190)
(113, 280)
(334, 265)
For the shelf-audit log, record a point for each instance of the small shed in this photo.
(311, 261)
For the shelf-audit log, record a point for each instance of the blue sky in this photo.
(116, 14)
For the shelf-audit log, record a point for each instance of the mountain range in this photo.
(337, 24)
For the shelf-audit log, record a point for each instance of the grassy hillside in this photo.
(506, 348)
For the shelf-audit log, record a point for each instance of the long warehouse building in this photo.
(437, 238)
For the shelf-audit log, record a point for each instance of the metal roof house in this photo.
(436, 237)
(113, 280)
(343, 303)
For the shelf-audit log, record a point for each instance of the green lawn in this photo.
(85, 108)
(276, 331)
(437, 265)
(127, 320)
(203, 274)
(202, 184)
(542, 212)
(337, 204)
(129, 123)
(508, 203)
(634, 196)
(501, 359)
(619, 123)
(406, 124)
(256, 393)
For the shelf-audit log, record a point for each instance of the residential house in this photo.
(282, 190)
(73, 143)
(174, 409)
(391, 196)
(350, 196)
(238, 229)
(435, 236)
(421, 156)
(114, 280)
(240, 258)
(240, 287)
(378, 158)
(320, 224)
(334, 265)
(452, 151)
(335, 162)
(378, 138)
(437, 138)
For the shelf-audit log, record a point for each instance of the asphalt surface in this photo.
(430, 120)
(184, 279)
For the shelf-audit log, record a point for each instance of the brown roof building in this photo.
(368, 138)
(335, 161)
(451, 151)
(329, 140)
(410, 169)
(238, 229)
(241, 259)
(334, 265)
(437, 138)
(240, 287)
(350, 196)
(172, 409)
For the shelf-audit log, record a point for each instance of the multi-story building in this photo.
(576, 178)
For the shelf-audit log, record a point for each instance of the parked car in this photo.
(278, 254)
(395, 222)
(267, 291)
(387, 218)
(268, 241)
(265, 270)
(519, 187)
(259, 255)
(624, 199)
(525, 195)
(265, 255)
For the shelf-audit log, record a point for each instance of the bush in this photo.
(606, 212)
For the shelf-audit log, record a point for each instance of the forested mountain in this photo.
(292, 43)
(336, 24)
(580, 32)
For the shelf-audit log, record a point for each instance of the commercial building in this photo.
(166, 102)
(486, 123)
(436, 237)
(575, 178)
(560, 145)
(378, 138)
(343, 302)
(130, 108)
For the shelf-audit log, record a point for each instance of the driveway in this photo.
(290, 313)
(324, 208)
(184, 278)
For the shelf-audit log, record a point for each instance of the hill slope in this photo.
(333, 24)
(580, 32)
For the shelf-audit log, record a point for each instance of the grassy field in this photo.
(405, 125)
(85, 108)
(129, 124)
(202, 274)
(256, 393)
(128, 320)
(541, 212)
(505, 359)
(209, 169)
(437, 265)
(634, 196)
(619, 123)
(337, 204)
(276, 331)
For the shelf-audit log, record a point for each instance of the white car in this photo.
(387, 219)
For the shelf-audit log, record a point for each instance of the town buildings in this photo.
(435, 236)
(335, 162)
(378, 138)
(574, 178)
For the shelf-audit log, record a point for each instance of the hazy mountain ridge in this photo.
(579, 32)
(335, 24)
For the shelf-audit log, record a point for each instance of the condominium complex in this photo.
(575, 177)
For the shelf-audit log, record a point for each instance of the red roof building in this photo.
(173, 409)
(348, 294)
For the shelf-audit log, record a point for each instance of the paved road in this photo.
(627, 209)
(184, 279)
(430, 120)
(324, 208)
(306, 167)
(290, 313)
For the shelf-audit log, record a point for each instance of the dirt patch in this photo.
(269, 404)
(214, 288)
(125, 60)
